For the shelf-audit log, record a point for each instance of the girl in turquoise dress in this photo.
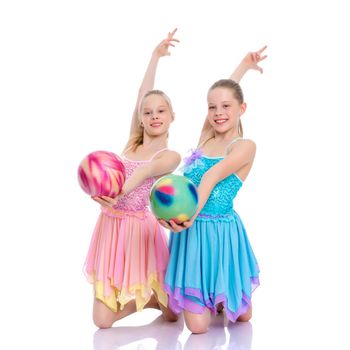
(212, 265)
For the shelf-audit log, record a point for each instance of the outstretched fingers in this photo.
(258, 53)
(171, 38)
(257, 57)
(171, 34)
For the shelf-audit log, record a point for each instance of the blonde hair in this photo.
(237, 93)
(136, 139)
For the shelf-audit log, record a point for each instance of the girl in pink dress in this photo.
(128, 253)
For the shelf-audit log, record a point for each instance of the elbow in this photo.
(172, 162)
(177, 161)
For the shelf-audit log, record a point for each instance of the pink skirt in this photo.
(127, 258)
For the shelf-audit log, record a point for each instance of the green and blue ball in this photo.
(174, 197)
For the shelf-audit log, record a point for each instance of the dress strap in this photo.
(231, 143)
(161, 150)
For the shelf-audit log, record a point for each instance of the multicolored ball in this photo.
(101, 173)
(174, 197)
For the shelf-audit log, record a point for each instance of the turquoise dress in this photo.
(212, 262)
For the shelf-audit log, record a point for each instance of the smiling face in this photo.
(224, 110)
(156, 114)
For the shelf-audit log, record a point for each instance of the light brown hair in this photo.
(237, 93)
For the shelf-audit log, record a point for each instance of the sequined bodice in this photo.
(220, 201)
(138, 199)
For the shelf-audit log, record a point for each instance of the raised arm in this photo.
(162, 49)
(249, 61)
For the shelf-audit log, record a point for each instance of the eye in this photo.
(161, 111)
(211, 107)
(226, 106)
(146, 113)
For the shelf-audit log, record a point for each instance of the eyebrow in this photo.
(212, 103)
(161, 106)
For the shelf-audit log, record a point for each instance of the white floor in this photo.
(160, 335)
(274, 326)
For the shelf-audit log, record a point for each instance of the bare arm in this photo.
(163, 164)
(249, 61)
(244, 153)
(162, 49)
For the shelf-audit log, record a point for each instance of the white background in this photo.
(69, 76)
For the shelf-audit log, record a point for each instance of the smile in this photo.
(156, 125)
(220, 121)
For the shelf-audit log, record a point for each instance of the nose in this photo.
(218, 111)
(155, 116)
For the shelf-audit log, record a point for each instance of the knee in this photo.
(198, 329)
(197, 326)
(198, 323)
(245, 317)
(102, 322)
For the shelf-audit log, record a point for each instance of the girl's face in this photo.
(155, 115)
(224, 110)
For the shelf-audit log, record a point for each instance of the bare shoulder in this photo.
(164, 162)
(248, 143)
(245, 148)
(244, 145)
(169, 155)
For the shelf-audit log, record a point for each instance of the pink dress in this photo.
(128, 253)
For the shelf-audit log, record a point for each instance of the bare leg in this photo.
(104, 317)
(246, 316)
(198, 323)
(167, 313)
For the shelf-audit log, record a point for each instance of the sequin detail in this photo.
(138, 199)
(220, 201)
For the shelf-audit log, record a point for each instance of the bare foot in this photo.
(152, 303)
(219, 308)
(168, 314)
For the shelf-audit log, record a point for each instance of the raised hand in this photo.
(252, 59)
(162, 49)
(147, 84)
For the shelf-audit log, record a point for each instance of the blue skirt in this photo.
(210, 263)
